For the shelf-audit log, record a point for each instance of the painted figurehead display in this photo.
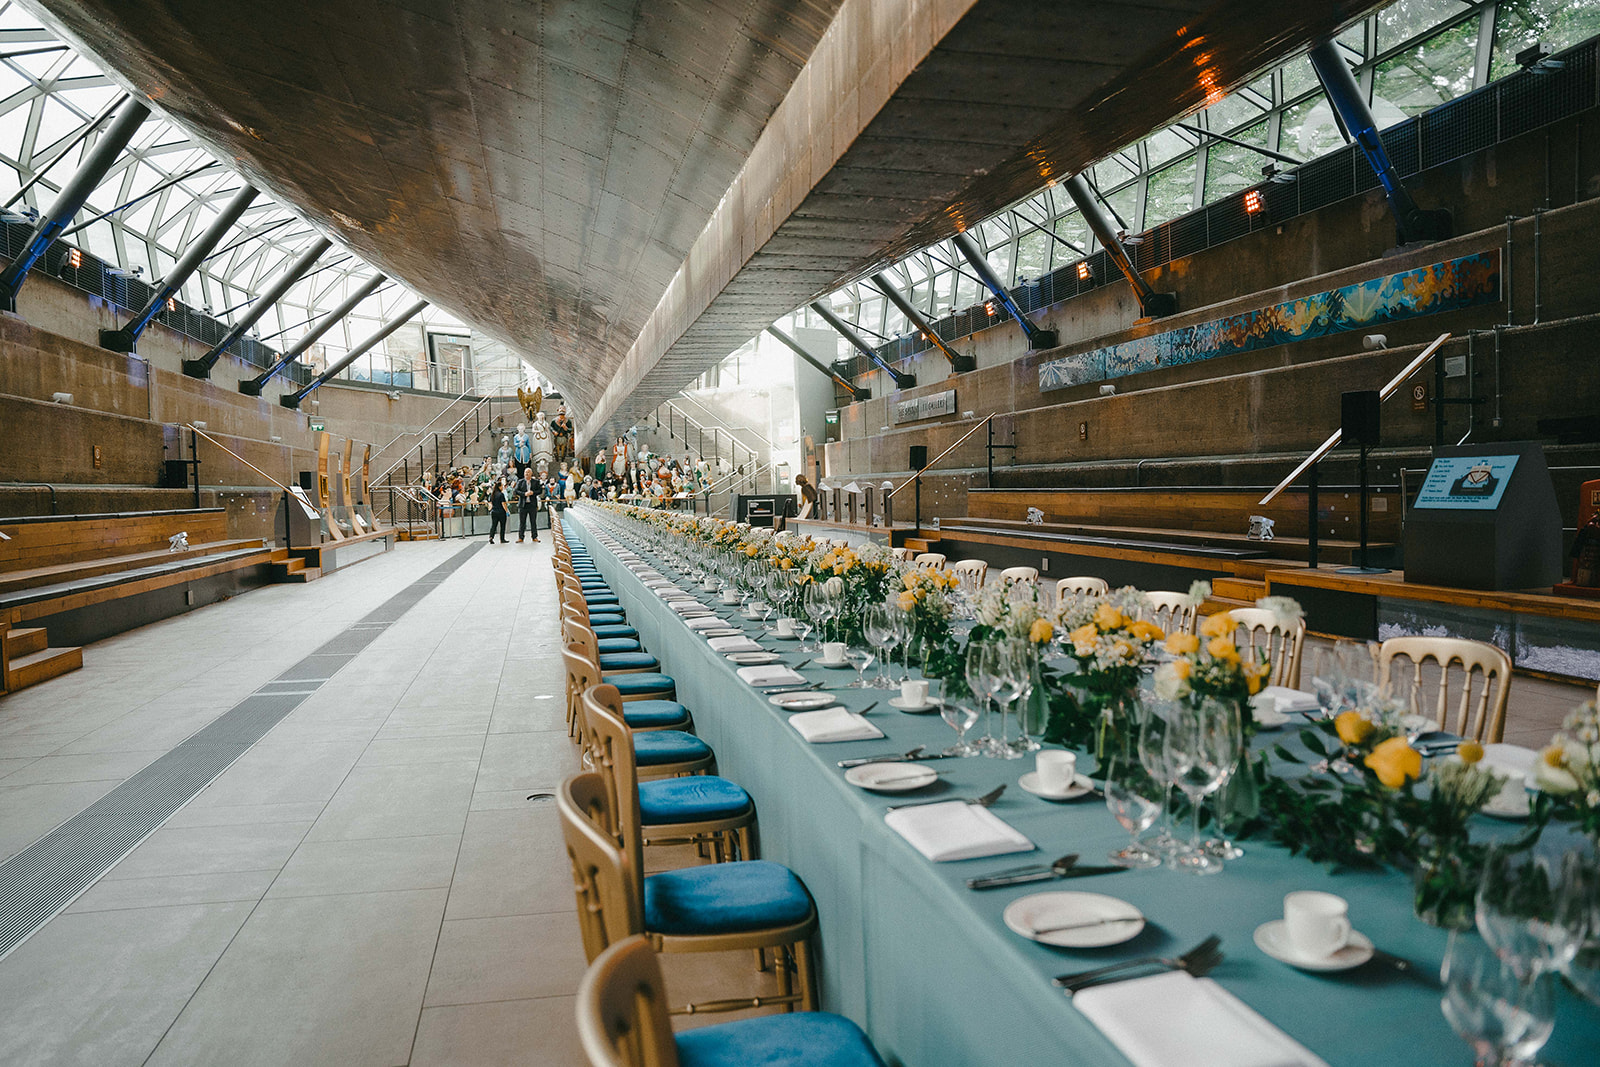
(504, 455)
(600, 458)
(544, 449)
(561, 427)
(619, 455)
(521, 447)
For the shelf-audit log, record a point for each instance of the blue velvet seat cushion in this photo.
(616, 644)
(724, 898)
(667, 746)
(652, 714)
(630, 684)
(795, 1039)
(602, 600)
(609, 617)
(612, 629)
(670, 800)
(628, 661)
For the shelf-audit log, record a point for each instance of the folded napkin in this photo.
(740, 643)
(1198, 1024)
(956, 830)
(706, 622)
(1285, 700)
(771, 674)
(833, 724)
(687, 607)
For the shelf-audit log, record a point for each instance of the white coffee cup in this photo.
(832, 652)
(1056, 768)
(785, 627)
(1318, 923)
(730, 595)
(914, 692)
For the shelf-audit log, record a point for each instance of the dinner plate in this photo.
(752, 659)
(891, 777)
(801, 701)
(1108, 921)
(721, 631)
(899, 704)
(1273, 939)
(1081, 786)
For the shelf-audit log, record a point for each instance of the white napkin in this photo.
(833, 724)
(1285, 700)
(771, 674)
(741, 643)
(1199, 1024)
(706, 622)
(687, 607)
(956, 830)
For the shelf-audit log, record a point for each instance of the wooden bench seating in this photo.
(44, 540)
(12, 581)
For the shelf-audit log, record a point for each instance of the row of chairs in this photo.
(649, 781)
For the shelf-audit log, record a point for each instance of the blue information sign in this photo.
(1466, 483)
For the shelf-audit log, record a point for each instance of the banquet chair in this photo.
(930, 559)
(1082, 585)
(900, 555)
(610, 663)
(663, 752)
(718, 907)
(1012, 575)
(975, 571)
(1283, 644)
(624, 1021)
(640, 713)
(1171, 611)
(604, 624)
(1483, 719)
(606, 643)
(663, 810)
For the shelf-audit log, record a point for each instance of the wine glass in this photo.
(1531, 920)
(1155, 717)
(879, 629)
(1025, 660)
(1196, 750)
(1505, 1016)
(1134, 798)
(822, 605)
(904, 632)
(982, 680)
(1014, 680)
(1222, 846)
(860, 658)
(960, 717)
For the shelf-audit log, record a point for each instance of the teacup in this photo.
(1318, 923)
(832, 652)
(730, 595)
(785, 627)
(1056, 769)
(914, 692)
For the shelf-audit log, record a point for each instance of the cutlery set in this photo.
(1198, 961)
(1065, 867)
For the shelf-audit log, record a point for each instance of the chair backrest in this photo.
(900, 555)
(1283, 645)
(1170, 611)
(609, 907)
(1483, 719)
(1084, 585)
(575, 632)
(973, 570)
(583, 673)
(622, 1009)
(1012, 575)
(929, 559)
(610, 744)
(573, 598)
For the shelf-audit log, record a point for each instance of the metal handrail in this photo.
(918, 477)
(733, 442)
(430, 422)
(742, 429)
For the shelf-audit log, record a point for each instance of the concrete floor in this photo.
(367, 885)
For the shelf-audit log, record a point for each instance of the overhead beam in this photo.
(1151, 303)
(1037, 338)
(856, 393)
(901, 379)
(126, 338)
(254, 386)
(292, 400)
(958, 362)
(71, 199)
(201, 368)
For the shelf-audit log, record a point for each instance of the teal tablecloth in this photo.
(926, 965)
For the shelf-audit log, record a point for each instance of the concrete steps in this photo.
(29, 659)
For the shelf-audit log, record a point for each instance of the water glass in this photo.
(959, 717)
(878, 626)
(1135, 800)
(1201, 752)
(860, 659)
(1506, 1016)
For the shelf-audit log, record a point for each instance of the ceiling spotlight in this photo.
(1253, 202)
(1085, 272)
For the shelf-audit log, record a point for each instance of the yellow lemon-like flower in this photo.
(1108, 617)
(1223, 648)
(1041, 632)
(785, 564)
(1216, 625)
(1395, 762)
(751, 551)
(1353, 727)
(1183, 644)
(1470, 752)
(1146, 631)
(907, 601)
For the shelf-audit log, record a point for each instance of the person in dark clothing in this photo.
(527, 491)
(497, 511)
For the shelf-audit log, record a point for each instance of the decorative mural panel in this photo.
(1450, 286)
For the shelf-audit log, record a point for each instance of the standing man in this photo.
(527, 491)
(497, 511)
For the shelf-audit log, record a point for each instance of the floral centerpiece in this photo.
(1109, 645)
(1569, 772)
(925, 596)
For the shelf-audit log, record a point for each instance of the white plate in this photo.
(1268, 718)
(784, 637)
(1511, 803)
(891, 777)
(752, 659)
(899, 704)
(721, 631)
(801, 701)
(1273, 939)
(1081, 786)
(1041, 910)
(840, 665)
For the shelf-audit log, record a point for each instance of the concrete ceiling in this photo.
(627, 190)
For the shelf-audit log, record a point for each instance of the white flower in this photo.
(1199, 593)
(1555, 780)
(1169, 685)
(1285, 609)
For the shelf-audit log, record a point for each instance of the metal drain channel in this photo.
(37, 883)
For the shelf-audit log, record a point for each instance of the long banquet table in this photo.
(929, 968)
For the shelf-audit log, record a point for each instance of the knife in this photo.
(994, 881)
(890, 759)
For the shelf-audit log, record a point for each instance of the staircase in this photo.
(291, 570)
(673, 431)
(29, 660)
(473, 438)
(1234, 592)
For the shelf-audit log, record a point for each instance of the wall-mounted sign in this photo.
(1466, 482)
(926, 407)
(316, 427)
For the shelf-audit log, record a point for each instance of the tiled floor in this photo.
(369, 884)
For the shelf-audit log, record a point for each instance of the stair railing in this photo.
(916, 479)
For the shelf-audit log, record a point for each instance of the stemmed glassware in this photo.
(1155, 719)
(1201, 749)
(1535, 919)
(904, 632)
(959, 717)
(1014, 681)
(982, 678)
(1134, 798)
(1506, 1016)
(1222, 846)
(860, 658)
(878, 626)
(822, 606)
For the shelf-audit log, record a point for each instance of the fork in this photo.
(983, 802)
(1197, 961)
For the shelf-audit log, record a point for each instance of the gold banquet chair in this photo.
(644, 712)
(1082, 585)
(1170, 611)
(610, 663)
(1283, 645)
(1483, 719)
(929, 559)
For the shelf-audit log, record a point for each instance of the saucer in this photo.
(1081, 786)
(832, 664)
(784, 637)
(891, 777)
(1105, 920)
(899, 704)
(1273, 939)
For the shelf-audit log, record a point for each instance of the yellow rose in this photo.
(1222, 648)
(1182, 668)
(1353, 727)
(1108, 617)
(1216, 625)
(1395, 762)
(907, 601)
(785, 564)
(1470, 752)
(1183, 644)
(1041, 631)
(1146, 631)
(1084, 635)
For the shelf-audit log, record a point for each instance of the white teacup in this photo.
(1056, 769)
(832, 652)
(1318, 923)
(730, 595)
(914, 692)
(785, 627)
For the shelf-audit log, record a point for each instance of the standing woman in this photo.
(497, 511)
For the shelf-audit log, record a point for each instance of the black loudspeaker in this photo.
(174, 474)
(308, 482)
(1358, 418)
(919, 457)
